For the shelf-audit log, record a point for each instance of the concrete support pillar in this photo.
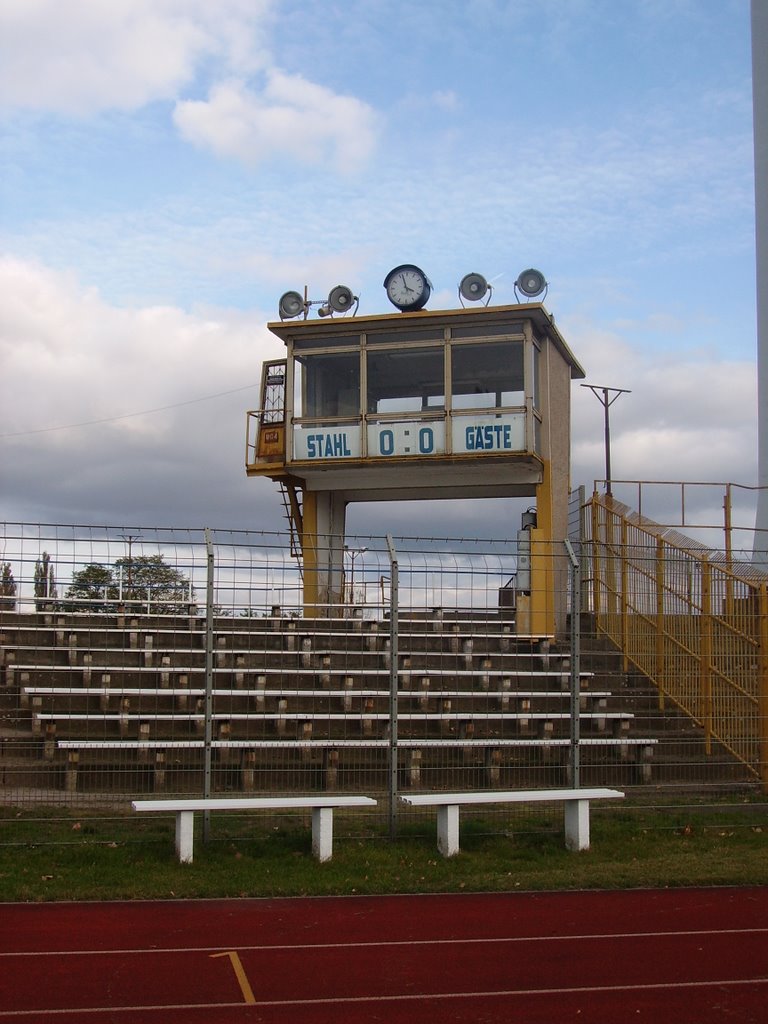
(448, 830)
(322, 545)
(185, 835)
(577, 824)
(322, 832)
(248, 771)
(544, 598)
(73, 763)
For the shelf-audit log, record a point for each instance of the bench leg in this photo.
(577, 824)
(185, 835)
(322, 832)
(448, 829)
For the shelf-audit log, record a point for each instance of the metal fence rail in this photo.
(691, 621)
(182, 662)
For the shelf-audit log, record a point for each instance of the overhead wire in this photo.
(127, 415)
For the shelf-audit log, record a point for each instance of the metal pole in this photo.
(208, 679)
(575, 753)
(759, 25)
(606, 406)
(603, 395)
(394, 662)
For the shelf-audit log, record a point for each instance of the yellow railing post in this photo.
(611, 580)
(705, 653)
(597, 560)
(624, 595)
(728, 553)
(762, 687)
(660, 668)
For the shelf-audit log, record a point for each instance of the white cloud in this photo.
(71, 358)
(678, 422)
(82, 56)
(290, 116)
(85, 56)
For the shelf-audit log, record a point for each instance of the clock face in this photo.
(407, 287)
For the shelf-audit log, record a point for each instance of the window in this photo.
(327, 385)
(405, 380)
(487, 376)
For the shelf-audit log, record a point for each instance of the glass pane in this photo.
(485, 330)
(327, 385)
(487, 376)
(387, 337)
(326, 341)
(405, 380)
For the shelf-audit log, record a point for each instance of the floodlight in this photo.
(291, 304)
(531, 283)
(473, 288)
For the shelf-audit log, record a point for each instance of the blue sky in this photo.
(170, 167)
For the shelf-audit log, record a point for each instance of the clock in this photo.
(408, 288)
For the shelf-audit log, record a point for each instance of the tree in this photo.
(94, 583)
(7, 587)
(150, 579)
(45, 581)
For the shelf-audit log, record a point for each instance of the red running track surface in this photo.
(685, 955)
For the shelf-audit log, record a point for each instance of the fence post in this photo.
(208, 679)
(394, 663)
(575, 753)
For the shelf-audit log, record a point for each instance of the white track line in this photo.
(409, 997)
(387, 943)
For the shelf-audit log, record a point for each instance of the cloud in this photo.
(677, 422)
(290, 116)
(71, 358)
(81, 57)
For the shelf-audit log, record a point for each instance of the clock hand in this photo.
(405, 283)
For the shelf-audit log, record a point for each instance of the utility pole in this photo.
(129, 538)
(606, 397)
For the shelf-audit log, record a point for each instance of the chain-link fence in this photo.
(176, 662)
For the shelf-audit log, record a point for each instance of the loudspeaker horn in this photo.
(340, 298)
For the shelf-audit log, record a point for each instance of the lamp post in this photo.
(606, 397)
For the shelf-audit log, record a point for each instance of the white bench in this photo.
(322, 808)
(576, 803)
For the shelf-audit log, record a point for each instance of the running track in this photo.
(686, 955)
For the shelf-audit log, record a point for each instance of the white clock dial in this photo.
(407, 287)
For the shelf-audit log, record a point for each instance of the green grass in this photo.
(82, 858)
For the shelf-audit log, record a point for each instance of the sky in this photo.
(171, 167)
